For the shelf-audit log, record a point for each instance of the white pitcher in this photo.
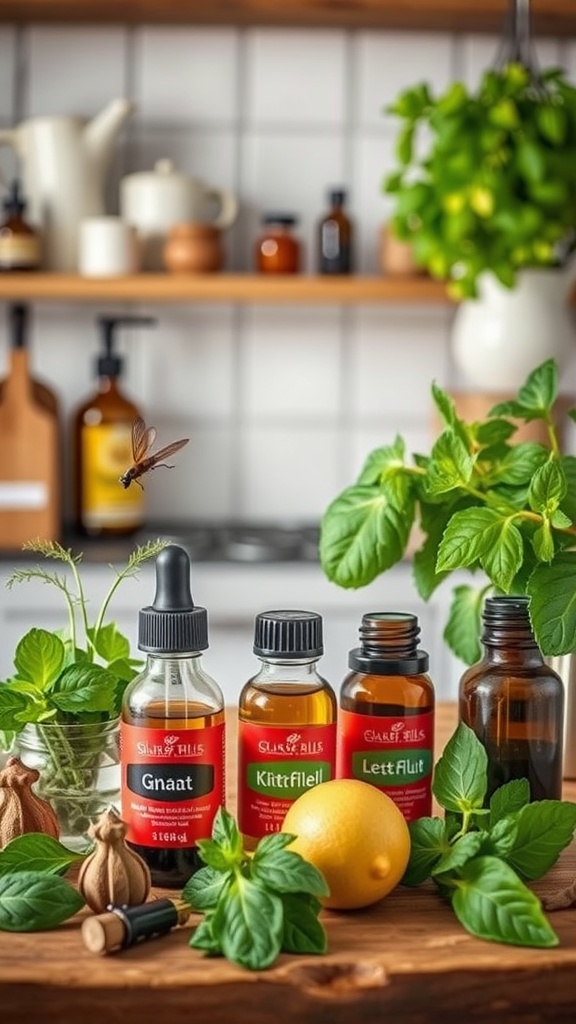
(500, 337)
(64, 162)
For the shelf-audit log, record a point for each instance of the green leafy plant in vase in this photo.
(501, 510)
(484, 192)
(59, 711)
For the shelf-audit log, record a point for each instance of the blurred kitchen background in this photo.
(282, 403)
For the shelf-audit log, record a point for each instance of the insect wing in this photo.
(143, 438)
(169, 449)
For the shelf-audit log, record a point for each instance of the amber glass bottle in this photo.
(278, 250)
(386, 718)
(172, 731)
(335, 232)
(514, 702)
(102, 444)
(287, 722)
(19, 242)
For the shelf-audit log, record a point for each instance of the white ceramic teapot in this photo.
(153, 201)
(64, 161)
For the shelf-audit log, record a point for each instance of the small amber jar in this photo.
(277, 249)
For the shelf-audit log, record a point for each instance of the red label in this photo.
(172, 783)
(394, 753)
(276, 764)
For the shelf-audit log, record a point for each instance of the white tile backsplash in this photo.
(186, 76)
(295, 77)
(281, 404)
(74, 71)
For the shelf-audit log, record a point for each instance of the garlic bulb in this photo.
(112, 873)
(21, 810)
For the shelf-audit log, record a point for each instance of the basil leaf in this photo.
(30, 901)
(12, 705)
(507, 799)
(83, 687)
(544, 829)
(428, 843)
(460, 776)
(463, 850)
(302, 931)
(109, 642)
(39, 657)
(214, 855)
(499, 841)
(553, 604)
(451, 466)
(463, 626)
(492, 903)
(287, 871)
(248, 924)
(37, 852)
(225, 832)
(204, 938)
(275, 841)
(204, 887)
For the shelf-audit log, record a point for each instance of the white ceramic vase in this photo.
(500, 337)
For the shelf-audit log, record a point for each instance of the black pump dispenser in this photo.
(109, 363)
(14, 201)
(173, 623)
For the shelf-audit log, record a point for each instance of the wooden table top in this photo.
(405, 957)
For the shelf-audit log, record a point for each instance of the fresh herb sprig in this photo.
(483, 503)
(479, 857)
(74, 676)
(255, 905)
(33, 896)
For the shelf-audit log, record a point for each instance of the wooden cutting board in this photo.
(29, 460)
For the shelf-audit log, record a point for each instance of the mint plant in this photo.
(504, 510)
(255, 906)
(480, 857)
(32, 895)
(68, 683)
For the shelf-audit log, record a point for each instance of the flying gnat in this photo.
(143, 438)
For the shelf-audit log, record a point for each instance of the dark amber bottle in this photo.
(335, 234)
(514, 702)
(278, 250)
(386, 717)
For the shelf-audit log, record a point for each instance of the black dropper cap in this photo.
(14, 201)
(110, 364)
(173, 623)
(288, 634)
(337, 196)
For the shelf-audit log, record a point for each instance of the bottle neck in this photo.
(107, 384)
(293, 670)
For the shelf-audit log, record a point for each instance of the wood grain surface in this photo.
(407, 958)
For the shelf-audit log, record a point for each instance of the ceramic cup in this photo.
(193, 248)
(107, 247)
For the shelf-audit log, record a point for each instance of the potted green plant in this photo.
(504, 511)
(485, 193)
(59, 711)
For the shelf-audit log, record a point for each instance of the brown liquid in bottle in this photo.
(171, 867)
(515, 703)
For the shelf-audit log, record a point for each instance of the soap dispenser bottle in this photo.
(102, 443)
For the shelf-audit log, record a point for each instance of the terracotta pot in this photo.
(193, 248)
(395, 256)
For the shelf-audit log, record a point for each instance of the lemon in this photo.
(355, 835)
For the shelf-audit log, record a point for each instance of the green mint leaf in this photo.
(287, 871)
(302, 931)
(451, 466)
(83, 687)
(462, 629)
(36, 852)
(30, 901)
(248, 923)
(547, 488)
(204, 887)
(508, 799)
(109, 643)
(520, 463)
(492, 903)
(544, 829)
(494, 432)
(426, 578)
(362, 534)
(468, 535)
(460, 776)
(444, 404)
(499, 841)
(381, 461)
(504, 553)
(569, 500)
(204, 938)
(553, 604)
(39, 657)
(216, 856)
(540, 391)
(225, 831)
(428, 843)
(12, 705)
(512, 408)
(560, 520)
(543, 542)
(274, 842)
(463, 850)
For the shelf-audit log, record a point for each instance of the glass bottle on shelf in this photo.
(335, 235)
(278, 250)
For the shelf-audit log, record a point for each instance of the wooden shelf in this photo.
(236, 288)
(549, 17)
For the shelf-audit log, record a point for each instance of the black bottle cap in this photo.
(14, 201)
(288, 634)
(287, 219)
(173, 623)
(110, 364)
(337, 196)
